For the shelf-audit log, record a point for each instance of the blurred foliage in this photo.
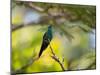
(71, 37)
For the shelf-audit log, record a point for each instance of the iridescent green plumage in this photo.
(46, 40)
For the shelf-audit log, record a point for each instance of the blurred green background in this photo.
(78, 52)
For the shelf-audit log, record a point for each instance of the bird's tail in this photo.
(40, 53)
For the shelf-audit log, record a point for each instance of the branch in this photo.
(15, 27)
(89, 67)
(57, 59)
(31, 61)
(37, 8)
(44, 19)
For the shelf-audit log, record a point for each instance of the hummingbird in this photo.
(47, 37)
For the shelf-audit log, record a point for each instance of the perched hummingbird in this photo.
(46, 40)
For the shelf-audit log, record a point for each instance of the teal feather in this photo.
(49, 32)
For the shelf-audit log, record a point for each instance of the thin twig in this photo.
(31, 61)
(89, 67)
(63, 59)
(15, 27)
(56, 58)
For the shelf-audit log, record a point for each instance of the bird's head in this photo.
(49, 32)
(49, 27)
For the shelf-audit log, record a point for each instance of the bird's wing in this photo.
(45, 44)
